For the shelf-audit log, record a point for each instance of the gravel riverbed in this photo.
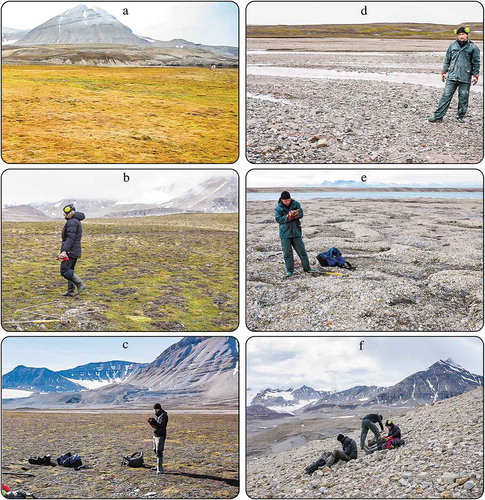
(342, 118)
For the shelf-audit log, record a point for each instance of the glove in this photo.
(152, 422)
(62, 256)
(474, 79)
(443, 77)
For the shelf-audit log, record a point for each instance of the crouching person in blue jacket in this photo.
(288, 213)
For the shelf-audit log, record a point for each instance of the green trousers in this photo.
(366, 426)
(287, 244)
(445, 101)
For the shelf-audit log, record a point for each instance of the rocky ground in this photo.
(321, 120)
(418, 266)
(201, 454)
(442, 458)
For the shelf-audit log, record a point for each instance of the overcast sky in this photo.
(21, 187)
(454, 13)
(59, 353)
(336, 363)
(302, 177)
(212, 23)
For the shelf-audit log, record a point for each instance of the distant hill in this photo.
(24, 213)
(83, 25)
(371, 30)
(37, 380)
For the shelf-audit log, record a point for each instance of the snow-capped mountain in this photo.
(93, 375)
(442, 380)
(81, 25)
(354, 396)
(37, 380)
(206, 365)
(218, 194)
(287, 400)
(11, 35)
(92, 208)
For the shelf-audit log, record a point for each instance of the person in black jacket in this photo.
(159, 424)
(71, 250)
(393, 431)
(369, 423)
(348, 452)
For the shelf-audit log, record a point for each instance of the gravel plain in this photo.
(418, 266)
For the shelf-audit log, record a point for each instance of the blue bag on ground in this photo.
(333, 258)
(69, 460)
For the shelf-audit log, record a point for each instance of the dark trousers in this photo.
(367, 425)
(287, 244)
(336, 456)
(67, 268)
(445, 101)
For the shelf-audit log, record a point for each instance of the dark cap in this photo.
(388, 423)
(285, 195)
(69, 208)
(340, 437)
(157, 406)
(462, 29)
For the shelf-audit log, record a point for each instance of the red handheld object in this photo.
(62, 258)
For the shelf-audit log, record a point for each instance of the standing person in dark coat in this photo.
(462, 65)
(288, 213)
(348, 452)
(72, 234)
(369, 423)
(159, 424)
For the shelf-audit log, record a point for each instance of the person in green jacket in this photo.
(462, 64)
(288, 213)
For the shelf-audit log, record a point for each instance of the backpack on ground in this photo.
(135, 460)
(45, 460)
(333, 258)
(70, 460)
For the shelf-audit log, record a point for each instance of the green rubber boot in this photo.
(71, 288)
(79, 283)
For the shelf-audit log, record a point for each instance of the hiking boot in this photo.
(311, 270)
(461, 119)
(71, 288)
(79, 283)
(432, 119)
(159, 465)
(289, 273)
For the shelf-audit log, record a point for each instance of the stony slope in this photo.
(194, 364)
(442, 458)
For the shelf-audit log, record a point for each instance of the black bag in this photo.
(45, 460)
(135, 460)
